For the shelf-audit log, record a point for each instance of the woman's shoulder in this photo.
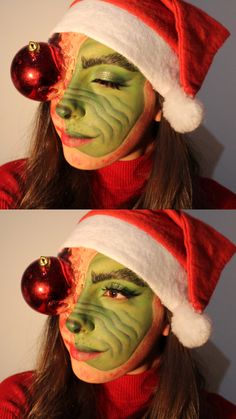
(14, 395)
(11, 180)
(17, 383)
(218, 196)
(220, 407)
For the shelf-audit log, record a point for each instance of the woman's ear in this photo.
(158, 115)
(166, 330)
(158, 110)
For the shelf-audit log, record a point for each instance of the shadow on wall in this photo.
(208, 150)
(213, 364)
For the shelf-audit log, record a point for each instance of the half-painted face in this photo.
(106, 106)
(115, 322)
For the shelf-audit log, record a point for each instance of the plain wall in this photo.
(25, 20)
(27, 235)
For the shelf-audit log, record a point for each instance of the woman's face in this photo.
(114, 322)
(105, 108)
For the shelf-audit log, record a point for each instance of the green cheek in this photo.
(119, 327)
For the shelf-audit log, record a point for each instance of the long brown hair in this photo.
(57, 393)
(52, 183)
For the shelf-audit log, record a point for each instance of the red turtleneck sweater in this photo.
(120, 184)
(116, 186)
(118, 399)
(127, 395)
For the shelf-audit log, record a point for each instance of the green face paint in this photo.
(117, 312)
(107, 99)
(110, 321)
(105, 108)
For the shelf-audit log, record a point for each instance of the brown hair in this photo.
(52, 183)
(58, 394)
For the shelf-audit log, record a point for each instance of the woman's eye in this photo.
(107, 83)
(115, 294)
(119, 294)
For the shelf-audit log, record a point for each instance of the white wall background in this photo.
(25, 20)
(26, 235)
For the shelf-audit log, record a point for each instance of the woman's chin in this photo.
(92, 375)
(83, 161)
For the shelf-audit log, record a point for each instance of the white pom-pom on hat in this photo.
(191, 328)
(184, 113)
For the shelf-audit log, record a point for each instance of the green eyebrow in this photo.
(125, 273)
(115, 58)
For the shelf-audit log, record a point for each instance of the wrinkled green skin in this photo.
(113, 324)
(100, 111)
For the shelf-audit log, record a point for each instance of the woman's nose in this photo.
(69, 108)
(79, 323)
(63, 111)
(73, 326)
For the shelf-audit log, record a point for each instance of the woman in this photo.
(118, 343)
(112, 135)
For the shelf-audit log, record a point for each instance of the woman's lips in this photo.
(82, 356)
(74, 141)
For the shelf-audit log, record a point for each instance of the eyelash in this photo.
(109, 84)
(116, 289)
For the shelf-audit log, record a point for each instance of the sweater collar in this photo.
(127, 395)
(121, 182)
(135, 387)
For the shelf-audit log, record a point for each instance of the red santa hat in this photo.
(180, 258)
(172, 43)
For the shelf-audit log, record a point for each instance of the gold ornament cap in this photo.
(44, 261)
(33, 46)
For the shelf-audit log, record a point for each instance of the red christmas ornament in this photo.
(47, 285)
(37, 70)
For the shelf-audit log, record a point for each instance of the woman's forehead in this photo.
(79, 46)
(91, 258)
(90, 263)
